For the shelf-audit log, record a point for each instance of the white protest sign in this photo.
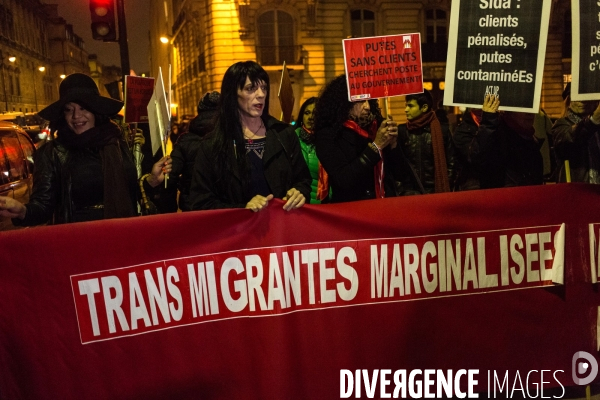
(158, 115)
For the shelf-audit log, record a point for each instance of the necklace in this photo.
(254, 133)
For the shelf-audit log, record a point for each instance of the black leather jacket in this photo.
(51, 199)
(417, 149)
(350, 162)
(284, 168)
(577, 139)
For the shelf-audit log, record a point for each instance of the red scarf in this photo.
(442, 184)
(323, 184)
(378, 170)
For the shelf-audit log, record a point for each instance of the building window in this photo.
(436, 26)
(363, 23)
(47, 92)
(435, 44)
(276, 39)
(567, 46)
(7, 28)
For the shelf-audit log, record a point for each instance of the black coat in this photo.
(51, 199)
(577, 139)
(417, 148)
(184, 156)
(284, 168)
(350, 163)
(494, 155)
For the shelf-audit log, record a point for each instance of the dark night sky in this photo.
(77, 13)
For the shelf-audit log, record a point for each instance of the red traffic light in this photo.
(103, 20)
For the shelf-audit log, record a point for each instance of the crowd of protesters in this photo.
(233, 154)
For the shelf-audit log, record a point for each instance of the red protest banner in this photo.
(383, 66)
(255, 310)
(138, 91)
(283, 279)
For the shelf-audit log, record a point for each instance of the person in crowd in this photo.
(427, 149)
(354, 144)
(174, 133)
(498, 149)
(577, 139)
(250, 157)
(185, 150)
(320, 181)
(88, 172)
(542, 124)
(204, 122)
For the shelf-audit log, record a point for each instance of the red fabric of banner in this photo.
(48, 348)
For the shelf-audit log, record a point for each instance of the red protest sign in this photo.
(286, 95)
(138, 91)
(383, 66)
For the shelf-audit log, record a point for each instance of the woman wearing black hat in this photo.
(88, 172)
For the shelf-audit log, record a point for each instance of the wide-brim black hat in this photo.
(81, 89)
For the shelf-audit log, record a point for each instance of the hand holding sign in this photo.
(491, 103)
(386, 134)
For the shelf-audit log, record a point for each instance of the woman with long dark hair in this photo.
(250, 157)
(353, 143)
(319, 188)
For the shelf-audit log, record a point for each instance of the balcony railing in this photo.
(276, 55)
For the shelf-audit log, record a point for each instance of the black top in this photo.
(283, 166)
(57, 196)
(258, 182)
(350, 163)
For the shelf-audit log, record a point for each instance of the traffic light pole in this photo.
(123, 40)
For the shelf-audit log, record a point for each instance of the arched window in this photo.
(276, 39)
(362, 23)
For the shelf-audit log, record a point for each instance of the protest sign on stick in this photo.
(138, 91)
(585, 69)
(497, 47)
(383, 66)
(158, 115)
(286, 95)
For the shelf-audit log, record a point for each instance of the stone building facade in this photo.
(207, 36)
(37, 46)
